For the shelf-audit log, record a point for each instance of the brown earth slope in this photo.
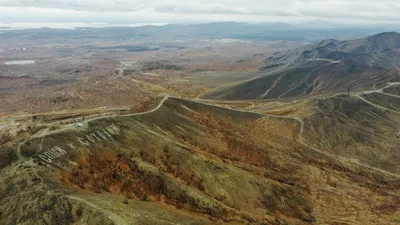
(327, 67)
(202, 164)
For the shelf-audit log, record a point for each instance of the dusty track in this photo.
(299, 135)
(301, 129)
(135, 114)
(328, 60)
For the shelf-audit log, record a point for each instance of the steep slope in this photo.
(362, 128)
(310, 78)
(362, 51)
(184, 155)
(375, 43)
(330, 66)
(203, 164)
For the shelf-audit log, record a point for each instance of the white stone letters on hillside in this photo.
(106, 134)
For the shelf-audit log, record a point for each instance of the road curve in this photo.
(133, 114)
(328, 60)
(299, 137)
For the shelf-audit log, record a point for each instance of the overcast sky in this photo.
(187, 11)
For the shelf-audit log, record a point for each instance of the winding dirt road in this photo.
(299, 136)
(328, 60)
(161, 103)
(301, 129)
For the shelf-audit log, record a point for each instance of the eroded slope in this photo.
(198, 164)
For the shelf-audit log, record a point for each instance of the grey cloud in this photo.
(205, 6)
(175, 10)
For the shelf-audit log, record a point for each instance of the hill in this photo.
(329, 66)
(375, 43)
(204, 164)
(372, 50)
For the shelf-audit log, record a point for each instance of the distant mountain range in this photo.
(330, 66)
(263, 31)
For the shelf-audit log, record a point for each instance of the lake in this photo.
(19, 62)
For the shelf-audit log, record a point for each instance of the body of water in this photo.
(19, 62)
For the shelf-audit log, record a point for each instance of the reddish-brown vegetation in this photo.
(235, 146)
(390, 207)
(113, 173)
(289, 202)
(119, 174)
(177, 170)
(144, 105)
(4, 138)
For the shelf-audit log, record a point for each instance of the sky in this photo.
(158, 12)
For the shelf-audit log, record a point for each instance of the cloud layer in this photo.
(178, 11)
